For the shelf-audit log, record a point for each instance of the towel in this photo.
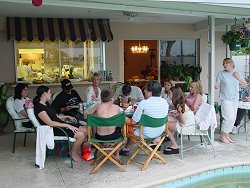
(206, 117)
(44, 137)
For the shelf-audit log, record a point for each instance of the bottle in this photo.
(81, 108)
(120, 100)
(129, 100)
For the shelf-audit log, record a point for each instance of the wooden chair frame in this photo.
(107, 151)
(143, 145)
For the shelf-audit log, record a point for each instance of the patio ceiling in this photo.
(135, 11)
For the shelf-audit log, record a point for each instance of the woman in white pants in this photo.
(228, 80)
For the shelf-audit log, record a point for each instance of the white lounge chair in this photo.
(200, 128)
(17, 122)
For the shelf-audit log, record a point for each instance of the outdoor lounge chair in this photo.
(32, 117)
(17, 122)
(106, 148)
(205, 117)
(147, 121)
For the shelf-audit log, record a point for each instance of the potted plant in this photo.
(232, 38)
(195, 71)
(4, 116)
(244, 38)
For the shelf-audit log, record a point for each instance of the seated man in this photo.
(127, 91)
(155, 107)
(67, 101)
(244, 96)
(107, 109)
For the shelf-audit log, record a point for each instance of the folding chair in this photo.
(147, 121)
(106, 152)
(17, 122)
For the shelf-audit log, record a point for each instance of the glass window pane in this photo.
(48, 62)
(178, 59)
(37, 61)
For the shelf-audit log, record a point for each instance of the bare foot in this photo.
(224, 140)
(157, 140)
(120, 161)
(230, 140)
(76, 158)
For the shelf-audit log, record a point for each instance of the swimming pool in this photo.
(230, 177)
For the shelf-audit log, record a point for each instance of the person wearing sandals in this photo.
(154, 106)
(229, 80)
(46, 115)
(178, 118)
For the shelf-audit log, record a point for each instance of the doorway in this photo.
(140, 67)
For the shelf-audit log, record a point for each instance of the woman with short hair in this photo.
(228, 80)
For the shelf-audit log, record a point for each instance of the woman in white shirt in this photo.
(20, 97)
(166, 92)
(93, 91)
(180, 117)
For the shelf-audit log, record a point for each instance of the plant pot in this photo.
(244, 43)
(234, 46)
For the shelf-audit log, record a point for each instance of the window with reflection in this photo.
(49, 62)
(179, 59)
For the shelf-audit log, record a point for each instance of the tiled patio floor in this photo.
(18, 170)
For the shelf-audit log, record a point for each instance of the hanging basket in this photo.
(244, 43)
(234, 46)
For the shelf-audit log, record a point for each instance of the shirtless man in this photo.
(107, 109)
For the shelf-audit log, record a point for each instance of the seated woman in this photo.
(180, 117)
(166, 92)
(46, 115)
(194, 98)
(20, 97)
(93, 91)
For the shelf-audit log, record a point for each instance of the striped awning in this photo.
(58, 29)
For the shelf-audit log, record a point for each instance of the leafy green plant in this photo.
(4, 116)
(232, 36)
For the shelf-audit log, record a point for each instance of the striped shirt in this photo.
(155, 107)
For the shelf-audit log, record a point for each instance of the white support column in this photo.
(211, 61)
(228, 54)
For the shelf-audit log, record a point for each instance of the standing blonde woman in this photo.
(228, 80)
(194, 98)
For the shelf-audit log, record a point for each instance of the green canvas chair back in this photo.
(148, 121)
(96, 121)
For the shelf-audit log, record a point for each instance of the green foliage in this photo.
(4, 116)
(179, 70)
(232, 36)
(3, 91)
(236, 36)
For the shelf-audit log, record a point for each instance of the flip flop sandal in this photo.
(169, 151)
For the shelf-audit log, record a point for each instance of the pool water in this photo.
(230, 177)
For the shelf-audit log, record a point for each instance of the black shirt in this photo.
(49, 110)
(63, 99)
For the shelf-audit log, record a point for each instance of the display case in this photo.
(49, 62)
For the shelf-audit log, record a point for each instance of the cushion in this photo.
(14, 115)
(31, 114)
